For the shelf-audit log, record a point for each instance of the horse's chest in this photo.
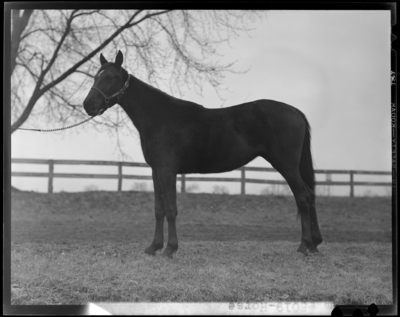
(159, 147)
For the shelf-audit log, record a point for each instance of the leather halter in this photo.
(118, 93)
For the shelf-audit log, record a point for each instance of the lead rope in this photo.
(119, 94)
(52, 130)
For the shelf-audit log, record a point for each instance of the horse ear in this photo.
(102, 59)
(119, 59)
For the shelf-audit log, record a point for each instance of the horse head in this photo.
(109, 85)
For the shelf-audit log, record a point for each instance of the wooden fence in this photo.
(183, 179)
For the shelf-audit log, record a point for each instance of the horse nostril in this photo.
(89, 107)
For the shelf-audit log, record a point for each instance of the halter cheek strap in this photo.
(119, 93)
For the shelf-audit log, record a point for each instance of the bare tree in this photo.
(266, 191)
(55, 54)
(220, 189)
(142, 187)
(91, 188)
(276, 189)
(193, 188)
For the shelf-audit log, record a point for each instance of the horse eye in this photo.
(110, 77)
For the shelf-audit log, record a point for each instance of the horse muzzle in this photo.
(92, 109)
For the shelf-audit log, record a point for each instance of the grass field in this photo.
(71, 248)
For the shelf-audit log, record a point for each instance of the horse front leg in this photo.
(158, 241)
(167, 181)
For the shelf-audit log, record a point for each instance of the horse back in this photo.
(195, 139)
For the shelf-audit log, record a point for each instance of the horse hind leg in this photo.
(316, 236)
(303, 200)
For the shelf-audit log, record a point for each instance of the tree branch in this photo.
(55, 54)
(88, 57)
(19, 25)
(37, 93)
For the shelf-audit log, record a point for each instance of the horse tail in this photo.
(306, 165)
(306, 161)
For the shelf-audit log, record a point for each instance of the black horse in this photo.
(181, 137)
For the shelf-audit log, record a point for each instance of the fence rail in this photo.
(183, 178)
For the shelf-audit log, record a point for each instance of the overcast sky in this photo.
(332, 65)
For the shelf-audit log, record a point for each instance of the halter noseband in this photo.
(119, 94)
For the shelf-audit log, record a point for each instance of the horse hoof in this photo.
(169, 250)
(167, 254)
(150, 251)
(302, 249)
(301, 255)
(315, 252)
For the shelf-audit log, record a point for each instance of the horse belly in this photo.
(222, 154)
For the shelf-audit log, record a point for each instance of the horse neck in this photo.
(143, 103)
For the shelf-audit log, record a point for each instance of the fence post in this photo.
(183, 183)
(243, 181)
(119, 176)
(51, 171)
(328, 180)
(351, 183)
